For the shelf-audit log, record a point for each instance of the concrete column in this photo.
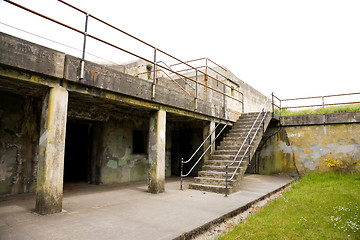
(157, 133)
(209, 126)
(49, 189)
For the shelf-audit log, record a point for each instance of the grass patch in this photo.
(319, 206)
(331, 109)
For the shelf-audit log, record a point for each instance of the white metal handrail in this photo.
(207, 149)
(250, 140)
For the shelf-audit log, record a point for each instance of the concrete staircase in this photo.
(212, 176)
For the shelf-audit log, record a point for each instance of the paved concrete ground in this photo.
(127, 211)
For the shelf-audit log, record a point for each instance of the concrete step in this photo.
(210, 188)
(212, 177)
(224, 162)
(225, 157)
(227, 147)
(217, 175)
(217, 168)
(225, 152)
(210, 181)
(242, 131)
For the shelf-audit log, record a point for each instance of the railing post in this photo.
(280, 112)
(82, 67)
(263, 121)
(226, 180)
(181, 173)
(196, 89)
(242, 102)
(154, 76)
(249, 149)
(323, 105)
(224, 99)
(272, 102)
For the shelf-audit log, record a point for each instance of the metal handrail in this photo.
(86, 34)
(323, 105)
(206, 71)
(207, 149)
(250, 140)
(177, 75)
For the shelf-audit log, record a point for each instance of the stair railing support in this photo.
(207, 149)
(181, 173)
(226, 180)
(263, 122)
(250, 140)
(272, 103)
(249, 149)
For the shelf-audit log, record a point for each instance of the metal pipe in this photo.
(323, 104)
(110, 44)
(203, 142)
(154, 77)
(328, 104)
(43, 16)
(249, 149)
(196, 85)
(181, 173)
(280, 112)
(272, 103)
(333, 95)
(82, 70)
(226, 180)
(227, 123)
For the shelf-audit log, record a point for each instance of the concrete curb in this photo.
(203, 228)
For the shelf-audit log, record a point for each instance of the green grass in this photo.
(319, 206)
(331, 109)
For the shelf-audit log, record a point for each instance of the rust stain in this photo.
(93, 75)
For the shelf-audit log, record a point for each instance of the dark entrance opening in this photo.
(77, 152)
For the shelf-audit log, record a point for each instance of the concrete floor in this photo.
(127, 211)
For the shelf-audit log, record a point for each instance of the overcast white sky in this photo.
(292, 48)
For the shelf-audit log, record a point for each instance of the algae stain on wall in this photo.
(311, 146)
(119, 163)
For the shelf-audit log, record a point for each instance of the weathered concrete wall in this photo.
(331, 147)
(318, 119)
(118, 163)
(253, 99)
(19, 136)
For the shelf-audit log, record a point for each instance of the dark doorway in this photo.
(77, 154)
(184, 144)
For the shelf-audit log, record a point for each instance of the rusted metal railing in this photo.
(208, 69)
(156, 50)
(323, 104)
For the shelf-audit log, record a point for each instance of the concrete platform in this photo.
(127, 211)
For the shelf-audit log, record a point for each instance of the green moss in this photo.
(330, 109)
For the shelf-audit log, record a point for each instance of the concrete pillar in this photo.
(49, 189)
(209, 126)
(157, 133)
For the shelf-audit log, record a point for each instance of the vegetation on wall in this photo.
(320, 110)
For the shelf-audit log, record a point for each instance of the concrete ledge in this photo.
(103, 77)
(320, 119)
(16, 52)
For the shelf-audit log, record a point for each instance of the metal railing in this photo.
(156, 50)
(248, 139)
(281, 106)
(207, 73)
(169, 77)
(197, 150)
